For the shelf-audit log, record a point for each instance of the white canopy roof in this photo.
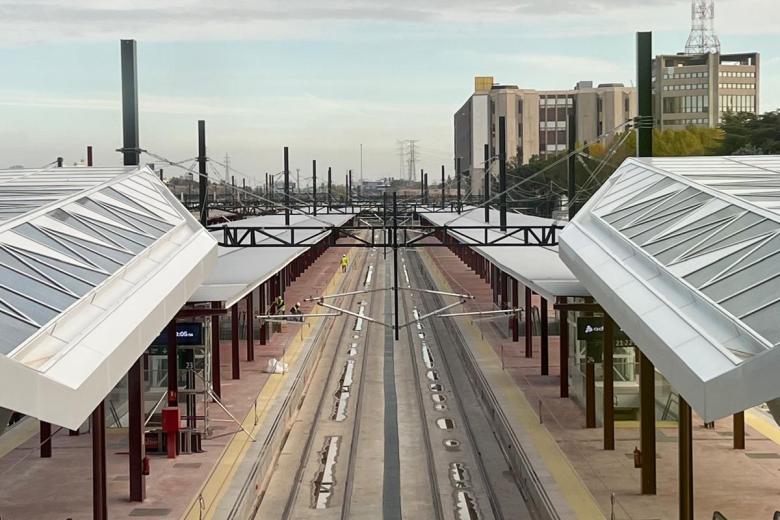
(94, 262)
(684, 253)
(240, 270)
(539, 268)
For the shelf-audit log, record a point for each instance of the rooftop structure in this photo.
(94, 264)
(683, 253)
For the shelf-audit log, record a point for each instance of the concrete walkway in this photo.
(741, 484)
(60, 487)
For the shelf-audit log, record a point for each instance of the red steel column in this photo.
(99, 499)
(262, 310)
(529, 345)
(45, 429)
(216, 376)
(136, 415)
(515, 304)
(234, 341)
(545, 338)
(250, 327)
(173, 374)
(563, 336)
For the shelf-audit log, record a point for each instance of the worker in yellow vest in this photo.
(344, 263)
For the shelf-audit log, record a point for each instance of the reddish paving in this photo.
(731, 481)
(61, 487)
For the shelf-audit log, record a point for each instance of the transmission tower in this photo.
(702, 38)
(412, 159)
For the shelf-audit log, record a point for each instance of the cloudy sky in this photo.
(321, 77)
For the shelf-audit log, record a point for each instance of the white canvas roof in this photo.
(539, 268)
(94, 262)
(240, 270)
(684, 253)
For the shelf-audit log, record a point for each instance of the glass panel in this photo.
(37, 311)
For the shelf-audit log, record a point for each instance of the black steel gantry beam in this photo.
(408, 236)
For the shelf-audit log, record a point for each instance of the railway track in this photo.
(337, 416)
(475, 465)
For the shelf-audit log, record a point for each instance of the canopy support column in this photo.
(99, 486)
(563, 337)
(609, 383)
(173, 375)
(262, 310)
(590, 394)
(545, 338)
(739, 431)
(45, 429)
(250, 328)
(647, 423)
(516, 304)
(685, 453)
(529, 338)
(216, 376)
(135, 416)
(234, 341)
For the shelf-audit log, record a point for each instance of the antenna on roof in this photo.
(702, 38)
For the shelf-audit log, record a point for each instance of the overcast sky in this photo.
(321, 77)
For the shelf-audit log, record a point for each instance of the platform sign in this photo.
(187, 334)
(591, 330)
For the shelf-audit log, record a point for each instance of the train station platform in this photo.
(738, 483)
(60, 487)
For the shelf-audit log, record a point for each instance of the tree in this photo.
(745, 133)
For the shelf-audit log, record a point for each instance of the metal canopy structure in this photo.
(684, 253)
(240, 270)
(94, 263)
(539, 268)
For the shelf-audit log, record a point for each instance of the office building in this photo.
(536, 121)
(697, 89)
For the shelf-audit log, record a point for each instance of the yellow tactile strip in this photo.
(514, 404)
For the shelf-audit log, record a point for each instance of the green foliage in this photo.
(746, 133)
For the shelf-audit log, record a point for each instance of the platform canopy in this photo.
(240, 270)
(539, 268)
(684, 253)
(94, 262)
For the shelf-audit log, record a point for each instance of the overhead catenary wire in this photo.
(637, 122)
(247, 192)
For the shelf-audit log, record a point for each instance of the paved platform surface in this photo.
(741, 484)
(61, 487)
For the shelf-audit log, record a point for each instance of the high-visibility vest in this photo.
(344, 261)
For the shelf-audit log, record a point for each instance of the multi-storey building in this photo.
(536, 121)
(697, 89)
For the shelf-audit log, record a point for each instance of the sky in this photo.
(320, 77)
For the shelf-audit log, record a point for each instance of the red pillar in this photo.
(250, 327)
(564, 346)
(262, 310)
(216, 376)
(136, 415)
(515, 303)
(529, 345)
(99, 498)
(173, 374)
(234, 340)
(545, 338)
(45, 429)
